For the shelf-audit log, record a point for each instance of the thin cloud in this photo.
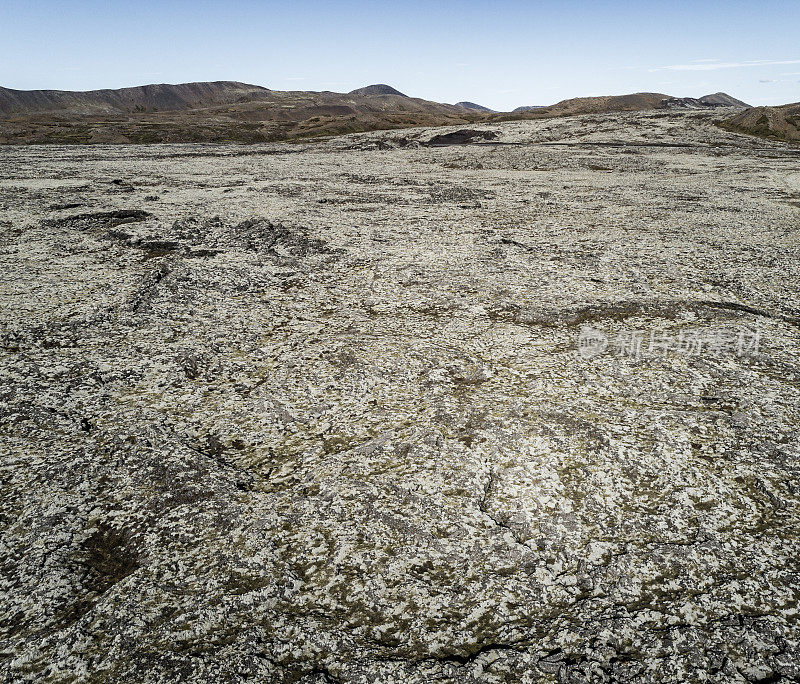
(711, 66)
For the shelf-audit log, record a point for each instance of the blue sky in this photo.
(502, 53)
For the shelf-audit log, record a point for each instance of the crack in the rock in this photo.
(622, 310)
(483, 507)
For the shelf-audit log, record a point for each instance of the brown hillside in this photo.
(160, 96)
(778, 123)
(592, 105)
(211, 112)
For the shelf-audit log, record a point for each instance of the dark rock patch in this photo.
(157, 248)
(260, 235)
(101, 220)
(66, 205)
(109, 558)
(464, 136)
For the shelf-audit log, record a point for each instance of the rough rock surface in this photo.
(704, 102)
(325, 413)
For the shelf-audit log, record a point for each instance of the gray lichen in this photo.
(251, 434)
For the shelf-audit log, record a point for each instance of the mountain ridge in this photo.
(217, 111)
(475, 107)
(232, 111)
(107, 100)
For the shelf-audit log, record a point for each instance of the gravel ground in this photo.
(364, 410)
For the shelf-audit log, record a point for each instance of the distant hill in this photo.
(229, 111)
(211, 112)
(724, 100)
(474, 107)
(160, 96)
(589, 105)
(528, 108)
(704, 102)
(608, 103)
(777, 123)
(378, 89)
(621, 103)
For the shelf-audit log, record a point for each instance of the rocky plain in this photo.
(372, 409)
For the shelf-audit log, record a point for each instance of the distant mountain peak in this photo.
(705, 102)
(473, 107)
(528, 108)
(377, 89)
(724, 99)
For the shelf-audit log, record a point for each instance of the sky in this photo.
(501, 54)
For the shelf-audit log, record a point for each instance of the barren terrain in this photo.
(220, 111)
(367, 410)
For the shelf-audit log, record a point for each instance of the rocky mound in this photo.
(779, 123)
(377, 89)
(705, 102)
(724, 100)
